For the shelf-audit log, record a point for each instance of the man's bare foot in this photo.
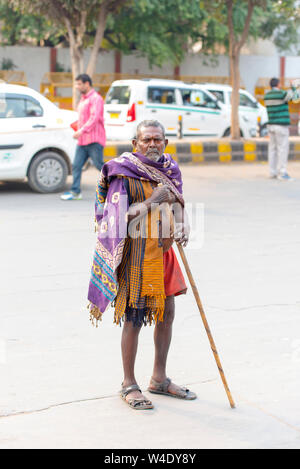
(135, 395)
(168, 388)
(135, 398)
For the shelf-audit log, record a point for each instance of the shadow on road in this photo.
(15, 186)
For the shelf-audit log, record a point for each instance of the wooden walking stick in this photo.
(210, 337)
(201, 310)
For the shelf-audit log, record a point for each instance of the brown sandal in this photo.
(163, 388)
(136, 404)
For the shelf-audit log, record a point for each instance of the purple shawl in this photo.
(112, 205)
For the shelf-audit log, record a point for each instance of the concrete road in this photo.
(60, 376)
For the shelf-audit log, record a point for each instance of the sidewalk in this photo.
(211, 150)
(60, 377)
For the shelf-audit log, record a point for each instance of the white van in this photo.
(250, 110)
(128, 102)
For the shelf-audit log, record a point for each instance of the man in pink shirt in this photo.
(90, 134)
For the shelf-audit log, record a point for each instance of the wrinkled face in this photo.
(151, 142)
(82, 87)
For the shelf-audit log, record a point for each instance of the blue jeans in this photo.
(83, 152)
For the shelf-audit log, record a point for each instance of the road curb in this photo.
(218, 151)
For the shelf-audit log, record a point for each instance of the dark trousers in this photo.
(83, 152)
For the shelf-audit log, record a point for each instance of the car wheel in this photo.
(48, 172)
(264, 131)
(228, 131)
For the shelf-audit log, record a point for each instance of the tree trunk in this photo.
(235, 97)
(234, 74)
(91, 68)
(76, 52)
(235, 46)
(77, 68)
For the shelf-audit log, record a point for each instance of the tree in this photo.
(281, 23)
(232, 20)
(236, 42)
(163, 31)
(83, 22)
(245, 19)
(158, 30)
(19, 28)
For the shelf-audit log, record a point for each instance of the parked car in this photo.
(250, 110)
(35, 139)
(128, 102)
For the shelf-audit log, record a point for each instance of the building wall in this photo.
(105, 62)
(35, 61)
(253, 67)
(202, 65)
(292, 67)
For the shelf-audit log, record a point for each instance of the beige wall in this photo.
(35, 61)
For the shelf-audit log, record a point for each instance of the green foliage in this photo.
(281, 23)
(59, 67)
(49, 19)
(158, 30)
(55, 8)
(7, 64)
(163, 31)
(271, 19)
(80, 13)
(26, 28)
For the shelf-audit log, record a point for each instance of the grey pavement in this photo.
(60, 377)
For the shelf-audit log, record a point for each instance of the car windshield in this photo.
(118, 95)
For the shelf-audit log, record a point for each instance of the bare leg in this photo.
(129, 345)
(162, 340)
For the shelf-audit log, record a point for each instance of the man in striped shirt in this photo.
(276, 102)
(90, 133)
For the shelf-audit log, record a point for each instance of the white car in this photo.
(35, 139)
(200, 113)
(128, 102)
(250, 110)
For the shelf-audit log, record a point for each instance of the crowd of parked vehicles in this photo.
(36, 138)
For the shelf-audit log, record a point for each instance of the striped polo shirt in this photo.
(276, 102)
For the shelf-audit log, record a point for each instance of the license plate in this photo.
(114, 115)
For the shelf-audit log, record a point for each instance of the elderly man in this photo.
(138, 196)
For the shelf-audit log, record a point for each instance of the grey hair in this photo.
(149, 123)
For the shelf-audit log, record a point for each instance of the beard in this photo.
(153, 155)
